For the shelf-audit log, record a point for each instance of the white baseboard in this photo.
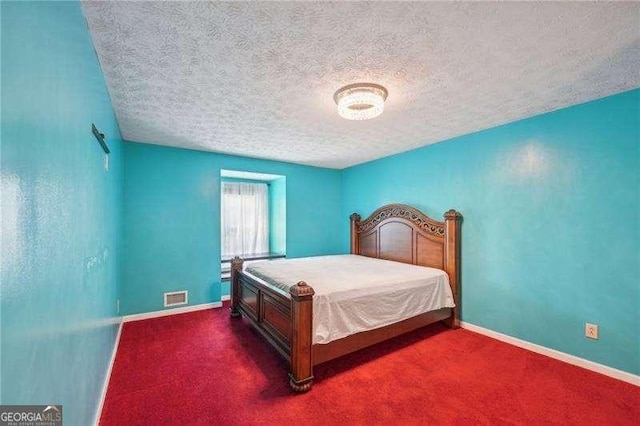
(107, 378)
(174, 311)
(226, 297)
(552, 353)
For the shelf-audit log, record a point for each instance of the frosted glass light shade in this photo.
(360, 101)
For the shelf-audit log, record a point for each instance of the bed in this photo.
(410, 262)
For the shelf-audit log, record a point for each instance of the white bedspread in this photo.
(357, 293)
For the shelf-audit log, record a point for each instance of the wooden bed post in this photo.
(355, 241)
(236, 267)
(452, 221)
(301, 375)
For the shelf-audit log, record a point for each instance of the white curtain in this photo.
(245, 218)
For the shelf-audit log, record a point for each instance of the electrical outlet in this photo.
(591, 331)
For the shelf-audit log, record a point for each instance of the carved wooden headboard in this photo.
(404, 234)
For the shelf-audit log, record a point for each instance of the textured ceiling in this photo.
(257, 79)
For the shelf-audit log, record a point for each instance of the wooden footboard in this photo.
(285, 320)
(394, 232)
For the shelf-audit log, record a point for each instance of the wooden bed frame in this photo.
(393, 232)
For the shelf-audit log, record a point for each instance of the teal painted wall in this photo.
(172, 220)
(550, 236)
(228, 179)
(278, 214)
(60, 212)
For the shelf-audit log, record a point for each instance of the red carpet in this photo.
(204, 368)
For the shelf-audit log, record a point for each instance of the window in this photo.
(253, 219)
(244, 219)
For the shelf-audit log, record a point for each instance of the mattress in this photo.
(357, 293)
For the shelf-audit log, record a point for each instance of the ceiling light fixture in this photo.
(360, 101)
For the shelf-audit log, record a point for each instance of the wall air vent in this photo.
(176, 298)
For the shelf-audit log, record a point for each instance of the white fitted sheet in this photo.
(357, 293)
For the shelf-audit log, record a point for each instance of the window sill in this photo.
(226, 267)
(255, 256)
